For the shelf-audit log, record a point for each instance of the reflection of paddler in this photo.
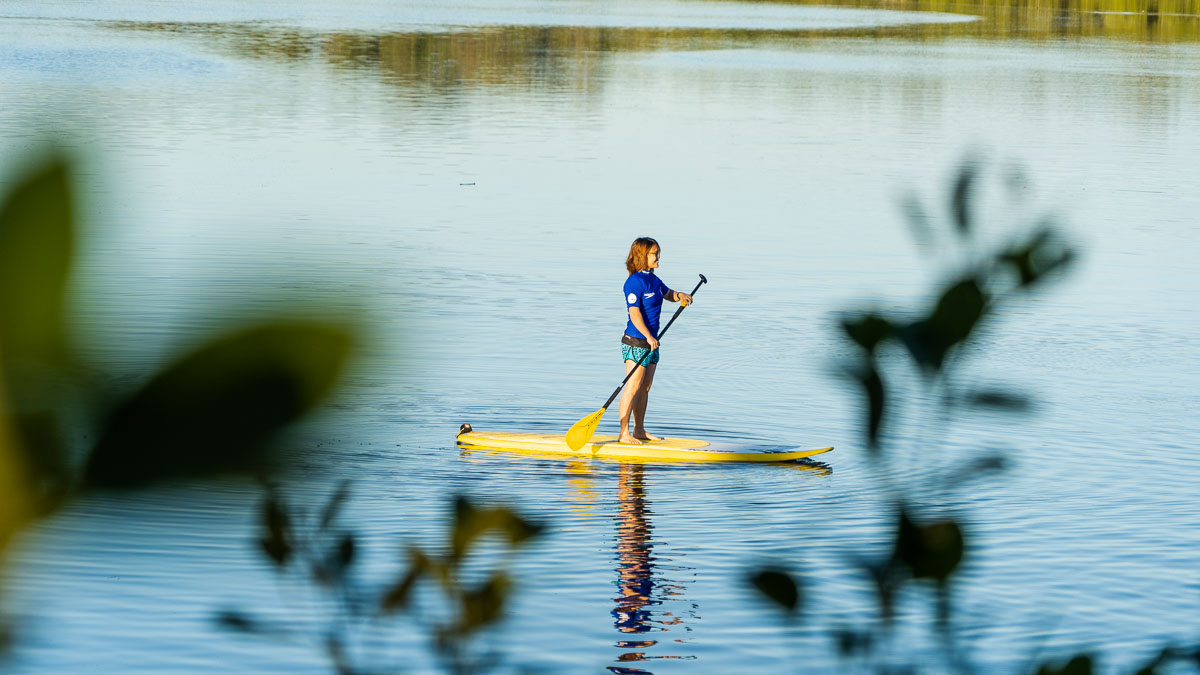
(635, 571)
(637, 582)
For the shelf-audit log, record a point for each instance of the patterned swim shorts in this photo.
(629, 353)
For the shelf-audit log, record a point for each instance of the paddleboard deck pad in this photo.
(607, 447)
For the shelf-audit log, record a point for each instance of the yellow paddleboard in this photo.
(607, 447)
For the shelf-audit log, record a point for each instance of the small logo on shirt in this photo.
(647, 295)
(632, 298)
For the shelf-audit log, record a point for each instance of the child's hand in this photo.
(685, 299)
(653, 343)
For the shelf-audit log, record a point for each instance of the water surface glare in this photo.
(473, 173)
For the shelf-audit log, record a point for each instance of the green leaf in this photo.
(472, 522)
(779, 587)
(1034, 259)
(237, 621)
(396, 598)
(334, 506)
(1164, 656)
(851, 642)
(37, 232)
(977, 467)
(918, 220)
(868, 330)
(873, 388)
(277, 543)
(950, 322)
(484, 605)
(885, 582)
(998, 399)
(344, 555)
(931, 551)
(37, 237)
(960, 198)
(516, 528)
(1080, 665)
(215, 409)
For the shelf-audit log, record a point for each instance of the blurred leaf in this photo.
(47, 480)
(518, 529)
(330, 514)
(37, 232)
(957, 312)
(960, 199)
(342, 556)
(37, 226)
(215, 409)
(883, 578)
(851, 642)
(468, 525)
(279, 552)
(977, 467)
(234, 620)
(779, 587)
(918, 220)
(484, 604)
(1042, 254)
(1080, 665)
(337, 654)
(329, 566)
(1164, 655)
(15, 503)
(930, 551)
(396, 597)
(278, 540)
(999, 399)
(868, 330)
(471, 523)
(873, 388)
(942, 602)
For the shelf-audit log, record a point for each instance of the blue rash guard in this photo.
(645, 291)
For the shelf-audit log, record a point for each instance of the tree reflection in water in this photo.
(641, 587)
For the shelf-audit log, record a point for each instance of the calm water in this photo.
(470, 175)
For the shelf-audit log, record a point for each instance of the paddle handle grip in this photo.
(647, 354)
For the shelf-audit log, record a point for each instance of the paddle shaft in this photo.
(647, 354)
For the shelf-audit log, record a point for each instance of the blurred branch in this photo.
(324, 555)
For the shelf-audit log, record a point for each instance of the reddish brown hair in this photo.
(639, 254)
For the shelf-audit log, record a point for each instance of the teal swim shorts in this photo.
(634, 354)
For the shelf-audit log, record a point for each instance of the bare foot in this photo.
(647, 436)
(628, 439)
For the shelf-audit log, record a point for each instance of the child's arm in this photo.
(676, 296)
(639, 322)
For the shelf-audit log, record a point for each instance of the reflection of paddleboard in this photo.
(607, 447)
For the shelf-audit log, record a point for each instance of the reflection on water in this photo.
(583, 492)
(570, 56)
(646, 598)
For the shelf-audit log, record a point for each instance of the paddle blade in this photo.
(581, 432)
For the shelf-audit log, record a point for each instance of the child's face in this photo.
(652, 258)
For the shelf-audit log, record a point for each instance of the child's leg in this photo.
(640, 399)
(632, 387)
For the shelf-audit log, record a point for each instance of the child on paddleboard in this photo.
(644, 295)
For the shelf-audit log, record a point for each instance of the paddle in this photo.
(581, 432)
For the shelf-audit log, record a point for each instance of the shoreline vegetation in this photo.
(489, 54)
(571, 57)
